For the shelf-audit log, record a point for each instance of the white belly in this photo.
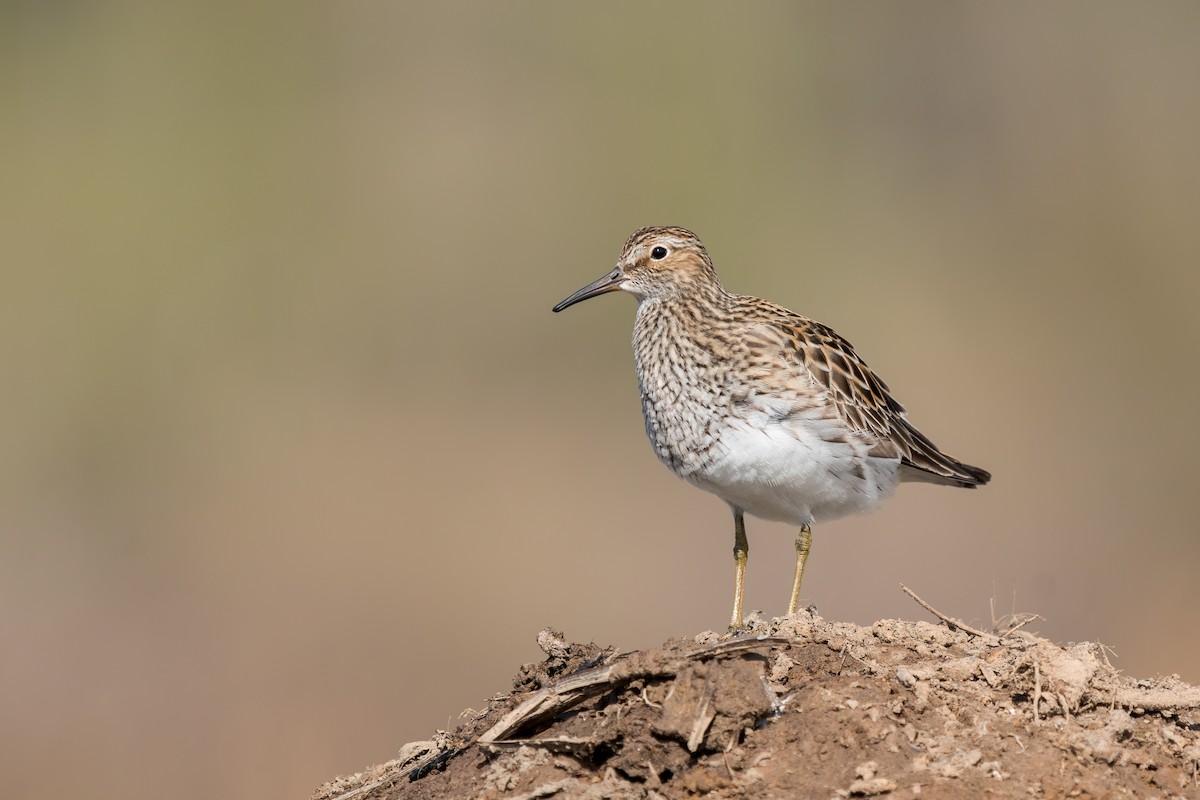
(792, 473)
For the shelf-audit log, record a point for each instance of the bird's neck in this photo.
(682, 321)
(707, 300)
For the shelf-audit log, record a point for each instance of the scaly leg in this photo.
(803, 545)
(741, 551)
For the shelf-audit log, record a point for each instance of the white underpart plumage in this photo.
(790, 472)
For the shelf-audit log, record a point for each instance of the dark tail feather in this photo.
(928, 464)
(948, 472)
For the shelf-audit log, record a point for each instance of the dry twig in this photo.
(1037, 687)
(1158, 699)
(1028, 618)
(951, 621)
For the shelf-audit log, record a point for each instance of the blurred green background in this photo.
(296, 461)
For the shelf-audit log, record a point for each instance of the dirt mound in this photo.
(803, 707)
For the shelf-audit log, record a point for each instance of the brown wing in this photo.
(863, 401)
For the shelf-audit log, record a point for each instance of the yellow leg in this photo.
(741, 551)
(803, 545)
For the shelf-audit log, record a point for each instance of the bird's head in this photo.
(658, 262)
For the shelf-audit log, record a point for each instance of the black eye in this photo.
(658, 253)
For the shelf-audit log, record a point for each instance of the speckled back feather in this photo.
(863, 400)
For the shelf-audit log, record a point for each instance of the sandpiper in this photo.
(769, 410)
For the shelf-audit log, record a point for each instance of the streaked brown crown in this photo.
(662, 261)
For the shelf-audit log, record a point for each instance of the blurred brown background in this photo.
(296, 460)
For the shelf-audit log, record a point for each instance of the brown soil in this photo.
(803, 707)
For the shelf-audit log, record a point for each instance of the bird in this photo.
(772, 412)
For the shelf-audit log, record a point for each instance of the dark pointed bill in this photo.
(609, 283)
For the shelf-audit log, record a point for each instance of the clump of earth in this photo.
(803, 707)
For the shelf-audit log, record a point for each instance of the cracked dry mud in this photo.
(804, 707)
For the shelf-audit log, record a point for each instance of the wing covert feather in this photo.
(859, 397)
